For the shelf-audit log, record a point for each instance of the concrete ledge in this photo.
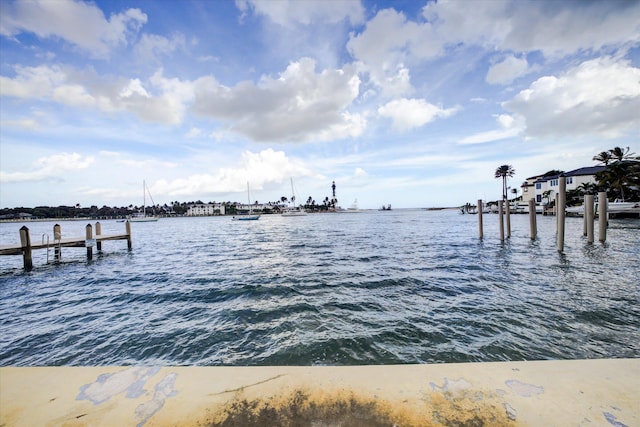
(542, 393)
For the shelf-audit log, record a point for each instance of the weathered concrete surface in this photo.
(545, 393)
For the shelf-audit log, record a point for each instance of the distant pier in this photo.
(88, 241)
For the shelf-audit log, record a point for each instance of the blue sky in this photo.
(403, 102)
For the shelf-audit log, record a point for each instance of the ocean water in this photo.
(404, 286)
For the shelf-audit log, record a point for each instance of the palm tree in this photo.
(604, 157)
(620, 154)
(618, 176)
(503, 172)
(588, 188)
(621, 173)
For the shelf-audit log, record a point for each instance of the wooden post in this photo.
(57, 236)
(535, 217)
(88, 241)
(602, 216)
(128, 228)
(532, 219)
(562, 201)
(508, 218)
(480, 232)
(25, 242)
(585, 223)
(588, 215)
(500, 213)
(98, 233)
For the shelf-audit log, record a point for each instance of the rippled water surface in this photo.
(405, 286)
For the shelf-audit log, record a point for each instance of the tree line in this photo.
(175, 208)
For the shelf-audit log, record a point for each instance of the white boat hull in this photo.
(145, 219)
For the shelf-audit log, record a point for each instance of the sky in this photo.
(409, 103)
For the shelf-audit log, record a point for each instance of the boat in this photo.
(250, 216)
(295, 211)
(385, 208)
(351, 209)
(616, 208)
(142, 216)
(619, 207)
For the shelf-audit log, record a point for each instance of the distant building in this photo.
(206, 209)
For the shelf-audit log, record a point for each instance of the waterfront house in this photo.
(529, 189)
(575, 179)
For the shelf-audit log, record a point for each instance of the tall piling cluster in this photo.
(504, 215)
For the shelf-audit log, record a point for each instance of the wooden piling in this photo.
(128, 229)
(589, 215)
(532, 219)
(57, 236)
(88, 243)
(480, 232)
(508, 219)
(98, 233)
(25, 242)
(562, 201)
(500, 213)
(602, 216)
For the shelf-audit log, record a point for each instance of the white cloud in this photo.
(600, 96)
(510, 127)
(79, 23)
(555, 28)
(386, 43)
(152, 46)
(266, 166)
(193, 133)
(360, 173)
(24, 123)
(289, 13)
(299, 105)
(507, 70)
(413, 113)
(49, 168)
(163, 100)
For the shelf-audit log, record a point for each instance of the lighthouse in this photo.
(334, 200)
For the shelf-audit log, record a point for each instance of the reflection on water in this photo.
(409, 286)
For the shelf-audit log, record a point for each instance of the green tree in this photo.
(621, 176)
(588, 188)
(504, 172)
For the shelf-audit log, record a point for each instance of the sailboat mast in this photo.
(249, 199)
(144, 198)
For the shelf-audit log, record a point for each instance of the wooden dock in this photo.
(88, 241)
